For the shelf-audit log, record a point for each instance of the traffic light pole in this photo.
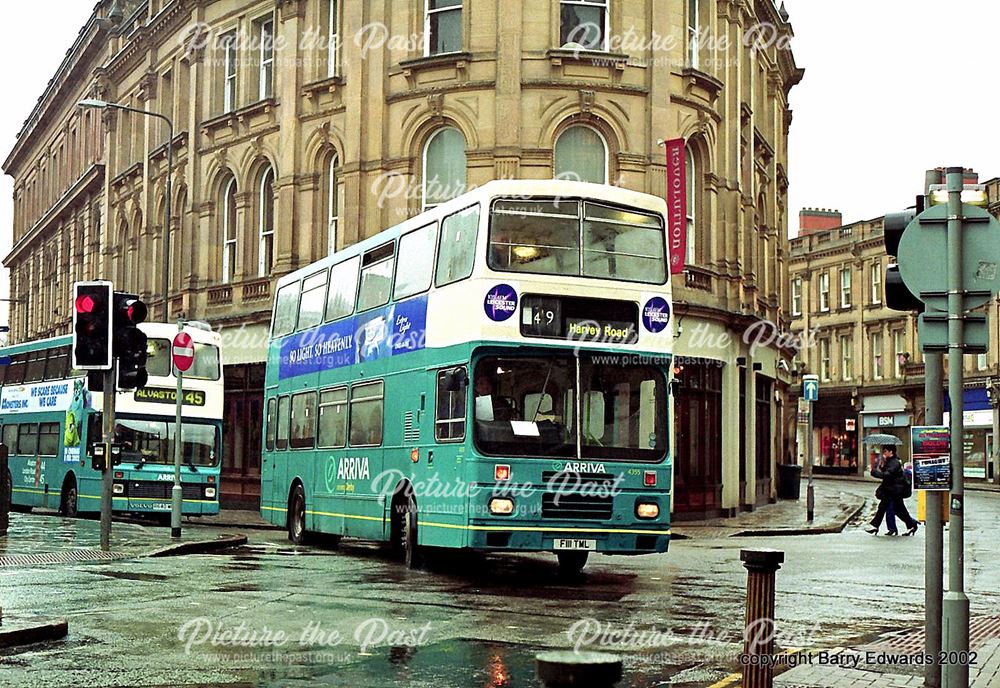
(955, 608)
(177, 493)
(934, 529)
(810, 494)
(107, 482)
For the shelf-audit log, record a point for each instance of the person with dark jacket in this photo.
(891, 494)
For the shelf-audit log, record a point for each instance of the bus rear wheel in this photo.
(297, 516)
(572, 563)
(70, 501)
(406, 514)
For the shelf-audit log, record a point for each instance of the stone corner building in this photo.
(302, 126)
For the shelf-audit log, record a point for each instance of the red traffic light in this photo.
(84, 303)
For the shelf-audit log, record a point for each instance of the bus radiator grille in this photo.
(587, 496)
(161, 490)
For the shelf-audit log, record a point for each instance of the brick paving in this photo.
(985, 673)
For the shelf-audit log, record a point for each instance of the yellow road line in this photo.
(734, 678)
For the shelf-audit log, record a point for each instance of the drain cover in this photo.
(76, 555)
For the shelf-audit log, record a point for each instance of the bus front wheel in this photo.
(69, 504)
(571, 563)
(297, 516)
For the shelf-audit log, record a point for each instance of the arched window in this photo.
(229, 231)
(444, 166)
(265, 223)
(692, 204)
(331, 200)
(581, 154)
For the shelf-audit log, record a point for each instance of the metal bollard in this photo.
(758, 636)
(4, 491)
(578, 669)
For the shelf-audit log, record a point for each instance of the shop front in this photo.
(977, 441)
(835, 436)
(886, 414)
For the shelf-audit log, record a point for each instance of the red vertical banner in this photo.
(676, 204)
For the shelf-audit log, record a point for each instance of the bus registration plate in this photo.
(572, 543)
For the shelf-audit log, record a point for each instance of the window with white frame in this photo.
(876, 282)
(229, 67)
(332, 204)
(442, 27)
(265, 58)
(330, 26)
(583, 24)
(899, 350)
(265, 223)
(797, 296)
(444, 166)
(581, 154)
(693, 33)
(691, 172)
(229, 232)
(845, 288)
(824, 360)
(846, 358)
(824, 291)
(982, 362)
(878, 371)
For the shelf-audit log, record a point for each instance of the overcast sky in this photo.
(892, 87)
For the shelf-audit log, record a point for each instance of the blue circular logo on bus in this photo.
(500, 303)
(656, 314)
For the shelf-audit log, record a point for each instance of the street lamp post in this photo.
(103, 105)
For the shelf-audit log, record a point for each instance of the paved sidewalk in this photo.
(970, 485)
(833, 510)
(47, 538)
(235, 518)
(876, 668)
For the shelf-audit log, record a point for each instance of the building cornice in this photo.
(90, 178)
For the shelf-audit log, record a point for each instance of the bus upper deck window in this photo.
(158, 357)
(457, 248)
(376, 277)
(286, 308)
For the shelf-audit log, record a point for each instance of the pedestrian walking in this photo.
(894, 488)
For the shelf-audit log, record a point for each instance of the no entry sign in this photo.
(183, 352)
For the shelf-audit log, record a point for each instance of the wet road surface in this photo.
(271, 614)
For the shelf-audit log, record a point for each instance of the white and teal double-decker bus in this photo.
(48, 420)
(492, 374)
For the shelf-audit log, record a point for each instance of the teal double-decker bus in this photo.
(49, 419)
(492, 374)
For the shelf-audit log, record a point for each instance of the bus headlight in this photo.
(647, 510)
(209, 493)
(501, 506)
(118, 488)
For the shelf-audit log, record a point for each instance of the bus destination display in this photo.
(582, 319)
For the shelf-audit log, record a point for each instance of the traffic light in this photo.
(92, 348)
(129, 341)
(897, 296)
